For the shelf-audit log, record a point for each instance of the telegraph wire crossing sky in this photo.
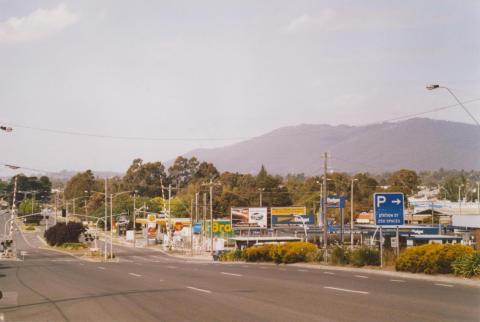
(164, 78)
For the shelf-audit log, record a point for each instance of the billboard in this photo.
(221, 228)
(291, 216)
(249, 217)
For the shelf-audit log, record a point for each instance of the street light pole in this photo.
(435, 86)
(460, 198)
(134, 217)
(351, 214)
(324, 201)
(111, 225)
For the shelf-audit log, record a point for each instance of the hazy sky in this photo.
(219, 69)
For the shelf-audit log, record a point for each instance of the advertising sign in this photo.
(220, 228)
(336, 202)
(388, 208)
(249, 217)
(291, 216)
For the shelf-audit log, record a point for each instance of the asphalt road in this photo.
(146, 285)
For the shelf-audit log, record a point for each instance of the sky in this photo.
(199, 74)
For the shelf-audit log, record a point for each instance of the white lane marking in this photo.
(138, 264)
(230, 274)
(361, 276)
(172, 267)
(344, 290)
(263, 267)
(81, 264)
(160, 280)
(329, 273)
(444, 285)
(199, 289)
(282, 269)
(302, 270)
(100, 267)
(245, 266)
(398, 281)
(136, 275)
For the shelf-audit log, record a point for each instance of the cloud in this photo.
(40, 24)
(334, 20)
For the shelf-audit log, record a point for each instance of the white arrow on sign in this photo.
(397, 201)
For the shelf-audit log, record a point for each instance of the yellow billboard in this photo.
(278, 211)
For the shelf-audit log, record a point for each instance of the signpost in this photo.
(388, 210)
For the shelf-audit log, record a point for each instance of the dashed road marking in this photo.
(199, 289)
(303, 270)
(100, 267)
(444, 285)
(230, 274)
(136, 275)
(329, 273)
(282, 269)
(398, 281)
(171, 267)
(344, 290)
(361, 276)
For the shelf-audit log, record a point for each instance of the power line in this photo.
(118, 137)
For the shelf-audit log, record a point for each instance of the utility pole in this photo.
(211, 215)
(196, 206)
(204, 227)
(111, 225)
(56, 206)
(134, 216)
(324, 203)
(14, 208)
(191, 226)
(105, 221)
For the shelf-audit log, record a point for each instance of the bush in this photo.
(231, 256)
(285, 253)
(73, 246)
(431, 258)
(340, 256)
(30, 227)
(63, 233)
(365, 256)
(467, 265)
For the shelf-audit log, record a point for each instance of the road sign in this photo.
(388, 208)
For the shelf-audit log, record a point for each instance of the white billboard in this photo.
(258, 216)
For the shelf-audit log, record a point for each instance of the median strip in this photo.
(136, 275)
(230, 274)
(344, 290)
(199, 289)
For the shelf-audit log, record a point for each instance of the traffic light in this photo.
(64, 212)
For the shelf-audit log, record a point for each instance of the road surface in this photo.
(146, 285)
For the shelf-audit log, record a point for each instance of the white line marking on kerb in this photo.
(344, 290)
(136, 275)
(329, 273)
(199, 289)
(230, 274)
(361, 276)
(398, 281)
(444, 285)
(100, 267)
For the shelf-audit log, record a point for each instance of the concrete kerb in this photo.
(419, 276)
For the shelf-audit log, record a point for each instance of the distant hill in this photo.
(418, 144)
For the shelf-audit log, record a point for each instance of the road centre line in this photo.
(172, 267)
(100, 267)
(231, 274)
(199, 289)
(361, 276)
(329, 273)
(344, 290)
(398, 281)
(136, 275)
(444, 285)
(303, 270)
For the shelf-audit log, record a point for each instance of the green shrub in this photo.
(339, 256)
(467, 265)
(231, 256)
(258, 253)
(365, 256)
(63, 233)
(431, 258)
(285, 253)
(73, 246)
(29, 227)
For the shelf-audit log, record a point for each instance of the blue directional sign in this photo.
(388, 208)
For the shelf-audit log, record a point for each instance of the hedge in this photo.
(63, 233)
(467, 265)
(431, 258)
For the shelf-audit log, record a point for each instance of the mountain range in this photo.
(417, 144)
